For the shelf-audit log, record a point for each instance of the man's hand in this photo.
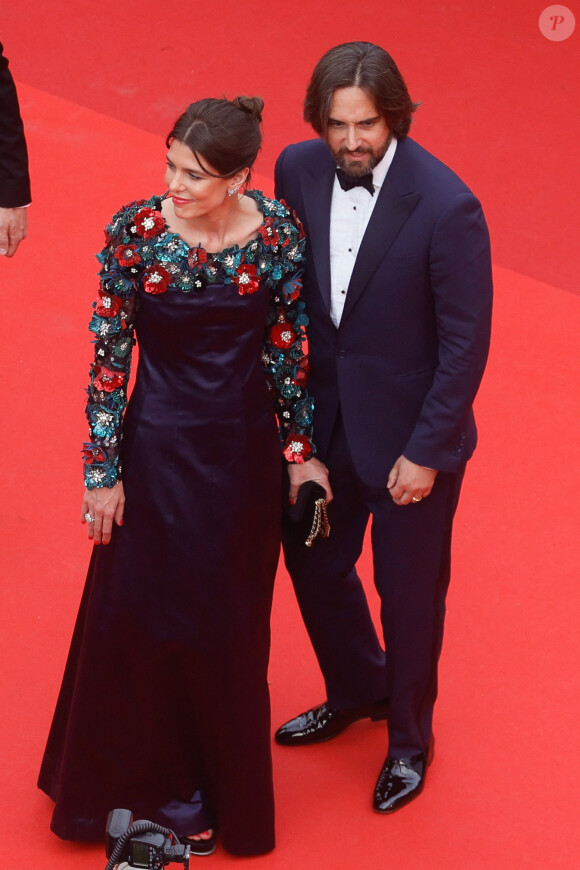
(408, 482)
(13, 228)
(300, 472)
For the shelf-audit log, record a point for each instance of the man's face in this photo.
(356, 134)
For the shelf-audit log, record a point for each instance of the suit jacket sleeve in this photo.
(14, 179)
(461, 283)
(279, 192)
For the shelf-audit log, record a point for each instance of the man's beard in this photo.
(356, 168)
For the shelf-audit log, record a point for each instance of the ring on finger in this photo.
(89, 518)
(415, 499)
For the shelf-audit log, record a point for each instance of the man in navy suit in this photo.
(398, 290)
(14, 180)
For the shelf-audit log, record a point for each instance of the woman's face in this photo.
(194, 192)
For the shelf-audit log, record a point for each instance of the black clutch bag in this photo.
(308, 514)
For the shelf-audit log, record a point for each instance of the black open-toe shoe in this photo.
(200, 847)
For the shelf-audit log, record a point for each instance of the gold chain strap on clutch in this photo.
(320, 524)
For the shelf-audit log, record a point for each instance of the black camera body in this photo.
(141, 844)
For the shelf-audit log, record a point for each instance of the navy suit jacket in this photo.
(14, 180)
(407, 359)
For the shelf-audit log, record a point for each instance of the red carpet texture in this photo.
(99, 87)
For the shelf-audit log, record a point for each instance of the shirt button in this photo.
(341, 354)
(343, 292)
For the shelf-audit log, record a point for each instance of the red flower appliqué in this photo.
(127, 255)
(93, 454)
(107, 380)
(298, 448)
(246, 278)
(107, 306)
(156, 279)
(301, 375)
(149, 223)
(196, 257)
(269, 233)
(282, 335)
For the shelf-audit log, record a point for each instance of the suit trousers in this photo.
(411, 558)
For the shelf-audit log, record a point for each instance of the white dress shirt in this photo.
(350, 212)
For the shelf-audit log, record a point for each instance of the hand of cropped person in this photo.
(101, 507)
(13, 228)
(409, 483)
(300, 472)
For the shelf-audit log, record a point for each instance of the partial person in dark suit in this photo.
(398, 289)
(14, 180)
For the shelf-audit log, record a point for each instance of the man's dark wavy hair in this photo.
(362, 65)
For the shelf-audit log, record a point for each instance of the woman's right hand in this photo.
(106, 504)
(300, 472)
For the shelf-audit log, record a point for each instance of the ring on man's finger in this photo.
(415, 499)
(89, 518)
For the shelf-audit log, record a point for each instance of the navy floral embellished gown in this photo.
(164, 706)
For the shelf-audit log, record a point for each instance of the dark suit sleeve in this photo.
(461, 282)
(14, 179)
(278, 177)
(285, 180)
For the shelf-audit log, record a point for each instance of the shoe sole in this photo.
(194, 845)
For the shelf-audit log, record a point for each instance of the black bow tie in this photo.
(347, 182)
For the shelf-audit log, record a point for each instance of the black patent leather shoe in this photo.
(324, 722)
(401, 780)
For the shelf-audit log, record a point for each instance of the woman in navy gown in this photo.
(164, 706)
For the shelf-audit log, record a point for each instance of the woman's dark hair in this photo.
(360, 65)
(225, 133)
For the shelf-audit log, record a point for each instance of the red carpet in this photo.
(98, 88)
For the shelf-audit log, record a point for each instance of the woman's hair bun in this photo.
(252, 105)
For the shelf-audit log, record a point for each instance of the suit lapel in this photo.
(394, 206)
